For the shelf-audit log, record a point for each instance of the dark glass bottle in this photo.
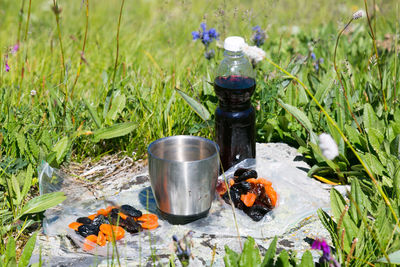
(235, 116)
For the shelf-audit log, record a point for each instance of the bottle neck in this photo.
(232, 54)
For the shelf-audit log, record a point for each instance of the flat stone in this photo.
(294, 221)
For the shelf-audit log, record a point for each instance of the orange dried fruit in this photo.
(151, 224)
(110, 208)
(92, 216)
(264, 181)
(75, 225)
(252, 181)
(231, 182)
(123, 216)
(248, 199)
(108, 230)
(101, 239)
(90, 242)
(271, 194)
(102, 212)
(147, 217)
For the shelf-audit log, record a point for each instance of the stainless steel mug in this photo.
(183, 173)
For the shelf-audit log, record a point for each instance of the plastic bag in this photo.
(298, 197)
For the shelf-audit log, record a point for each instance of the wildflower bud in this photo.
(328, 146)
(359, 14)
(175, 238)
(33, 92)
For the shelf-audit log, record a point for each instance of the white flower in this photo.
(33, 92)
(328, 146)
(254, 53)
(359, 14)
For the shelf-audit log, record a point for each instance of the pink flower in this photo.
(7, 67)
(15, 48)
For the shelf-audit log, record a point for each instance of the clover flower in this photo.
(359, 14)
(254, 53)
(33, 92)
(328, 146)
(258, 36)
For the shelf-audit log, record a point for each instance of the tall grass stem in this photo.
(376, 54)
(83, 49)
(117, 54)
(340, 78)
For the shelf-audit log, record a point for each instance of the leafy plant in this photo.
(250, 256)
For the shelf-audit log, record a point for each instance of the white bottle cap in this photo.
(234, 43)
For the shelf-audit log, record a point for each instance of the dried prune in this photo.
(240, 171)
(130, 225)
(243, 187)
(114, 213)
(84, 220)
(99, 220)
(235, 196)
(130, 211)
(246, 175)
(257, 211)
(88, 229)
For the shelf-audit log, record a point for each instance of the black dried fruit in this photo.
(130, 211)
(84, 220)
(99, 220)
(243, 187)
(130, 225)
(88, 229)
(240, 171)
(235, 196)
(257, 211)
(246, 175)
(114, 213)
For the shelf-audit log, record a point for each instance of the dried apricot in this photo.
(90, 242)
(92, 216)
(264, 181)
(109, 230)
(101, 239)
(151, 224)
(102, 212)
(248, 199)
(271, 194)
(147, 217)
(75, 225)
(123, 216)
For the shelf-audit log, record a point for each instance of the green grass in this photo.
(157, 55)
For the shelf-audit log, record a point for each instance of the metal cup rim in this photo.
(182, 136)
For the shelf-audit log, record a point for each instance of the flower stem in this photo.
(376, 55)
(340, 79)
(334, 124)
(116, 56)
(57, 14)
(83, 49)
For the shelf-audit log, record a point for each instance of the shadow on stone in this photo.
(303, 169)
(146, 199)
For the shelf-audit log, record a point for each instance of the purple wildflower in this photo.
(7, 67)
(258, 36)
(195, 35)
(321, 245)
(206, 36)
(313, 56)
(15, 48)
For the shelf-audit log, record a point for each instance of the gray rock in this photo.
(294, 221)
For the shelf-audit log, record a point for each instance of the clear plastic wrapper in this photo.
(298, 197)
